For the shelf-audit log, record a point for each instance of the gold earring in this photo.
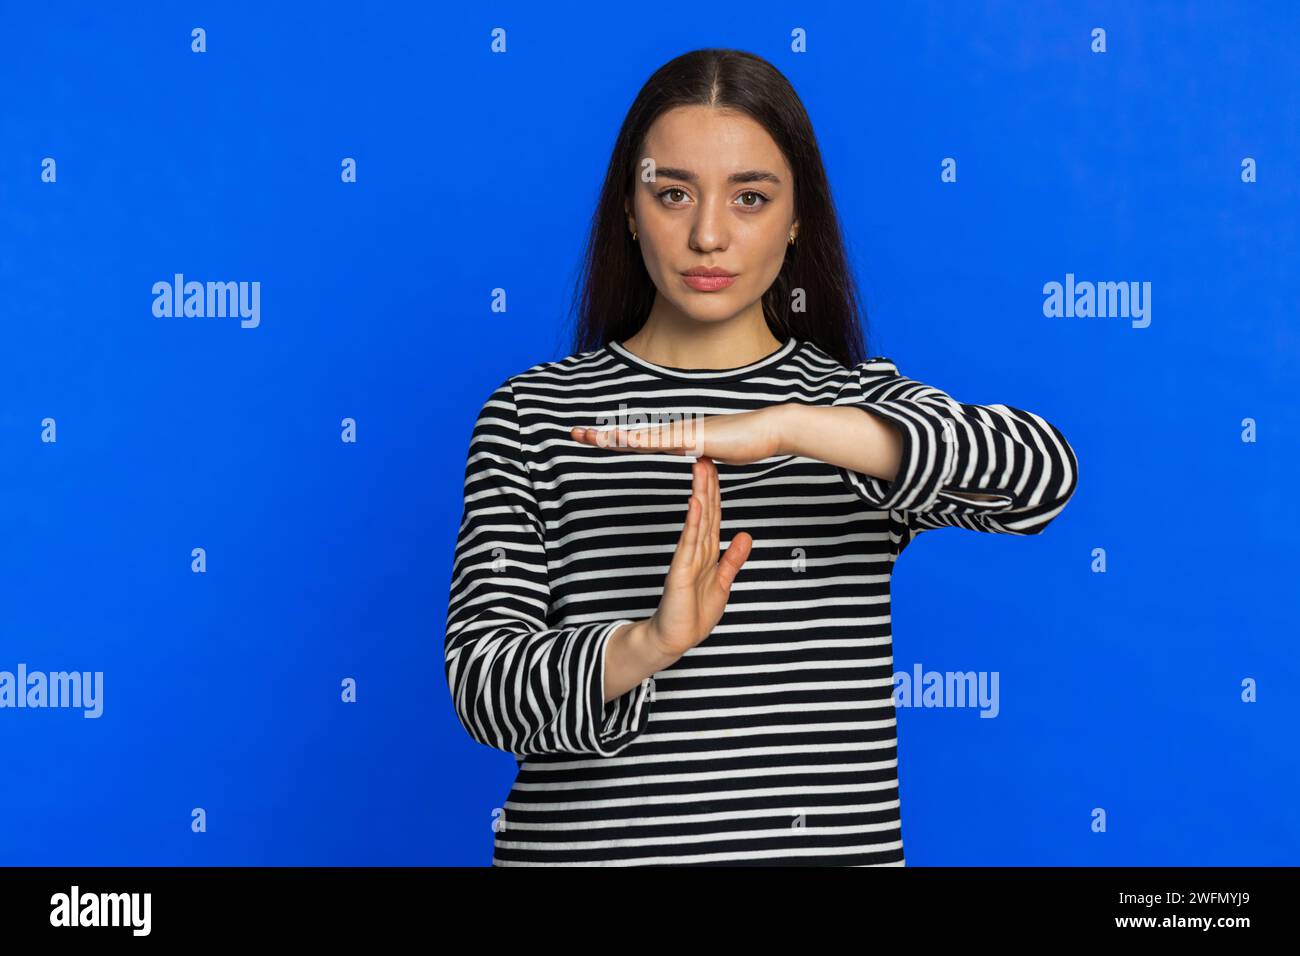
(792, 238)
(634, 235)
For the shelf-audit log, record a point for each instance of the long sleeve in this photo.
(950, 449)
(517, 684)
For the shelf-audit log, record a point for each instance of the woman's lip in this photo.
(708, 283)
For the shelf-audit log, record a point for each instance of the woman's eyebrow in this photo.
(745, 176)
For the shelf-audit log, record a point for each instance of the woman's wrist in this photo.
(630, 657)
(840, 435)
(646, 651)
(790, 422)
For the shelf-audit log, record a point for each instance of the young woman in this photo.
(668, 704)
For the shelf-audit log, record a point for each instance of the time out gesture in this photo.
(698, 584)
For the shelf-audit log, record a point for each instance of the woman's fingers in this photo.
(707, 515)
(589, 436)
(598, 438)
(732, 560)
(715, 516)
(684, 557)
(702, 466)
(715, 537)
(700, 474)
(653, 440)
(695, 562)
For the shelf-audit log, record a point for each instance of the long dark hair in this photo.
(614, 299)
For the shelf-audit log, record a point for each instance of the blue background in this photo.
(477, 171)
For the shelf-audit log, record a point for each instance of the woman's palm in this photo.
(698, 584)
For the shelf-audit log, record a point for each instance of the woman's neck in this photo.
(683, 342)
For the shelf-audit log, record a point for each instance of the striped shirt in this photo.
(773, 741)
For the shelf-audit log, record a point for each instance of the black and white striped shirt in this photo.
(774, 740)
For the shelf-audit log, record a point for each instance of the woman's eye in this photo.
(673, 192)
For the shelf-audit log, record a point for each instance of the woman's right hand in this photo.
(698, 584)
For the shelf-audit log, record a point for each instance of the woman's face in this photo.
(719, 194)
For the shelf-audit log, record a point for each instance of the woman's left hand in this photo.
(739, 439)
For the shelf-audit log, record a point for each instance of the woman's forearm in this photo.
(847, 436)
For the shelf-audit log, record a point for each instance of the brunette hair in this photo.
(614, 291)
